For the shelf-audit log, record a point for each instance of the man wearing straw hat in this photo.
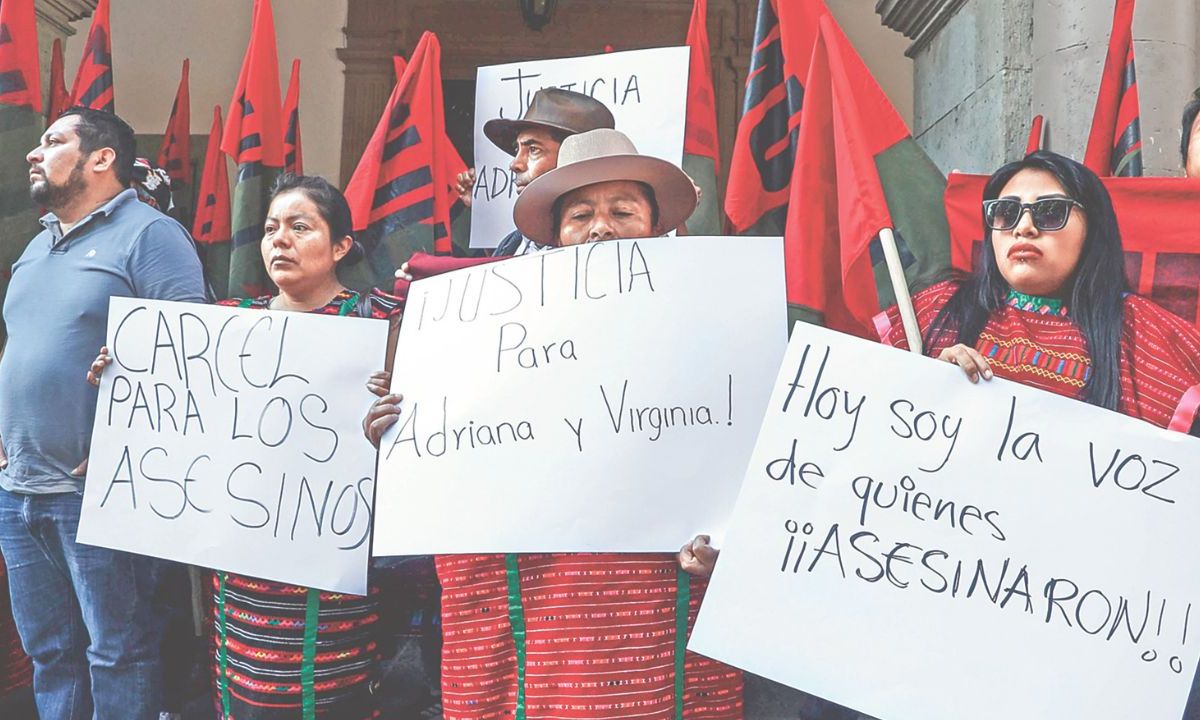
(573, 656)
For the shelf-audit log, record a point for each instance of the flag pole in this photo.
(908, 316)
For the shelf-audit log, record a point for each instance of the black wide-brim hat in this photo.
(551, 109)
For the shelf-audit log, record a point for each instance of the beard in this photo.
(51, 196)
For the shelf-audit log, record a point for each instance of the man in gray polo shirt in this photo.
(86, 615)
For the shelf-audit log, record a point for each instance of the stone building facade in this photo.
(983, 68)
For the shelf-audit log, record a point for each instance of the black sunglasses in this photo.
(1047, 214)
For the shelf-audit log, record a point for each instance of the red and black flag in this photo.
(175, 152)
(293, 160)
(21, 125)
(401, 193)
(253, 137)
(20, 73)
(765, 149)
(701, 150)
(858, 172)
(60, 97)
(93, 86)
(211, 228)
(1115, 142)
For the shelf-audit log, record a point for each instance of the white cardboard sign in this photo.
(646, 90)
(602, 397)
(920, 548)
(231, 438)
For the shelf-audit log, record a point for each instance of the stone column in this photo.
(1070, 41)
(971, 75)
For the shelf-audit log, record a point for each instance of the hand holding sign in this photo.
(914, 548)
(555, 402)
(218, 430)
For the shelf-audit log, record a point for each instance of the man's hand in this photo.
(3, 456)
(80, 469)
(464, 185)
(102, 361)
(698, 557)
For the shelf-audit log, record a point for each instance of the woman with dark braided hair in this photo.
(1049, 304)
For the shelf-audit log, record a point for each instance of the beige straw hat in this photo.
(595, 157)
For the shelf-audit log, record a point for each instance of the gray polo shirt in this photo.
(57, 316)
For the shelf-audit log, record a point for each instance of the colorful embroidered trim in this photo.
(683, 601)
(516, 619)
(1070, 368)
(1036, 304)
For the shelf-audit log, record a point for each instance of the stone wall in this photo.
(1070, 41)
(989, 66)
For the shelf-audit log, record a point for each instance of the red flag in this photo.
(93, 86)
(700, 129)
(60, 98)
(254, 132)
(838, 205)
(293, 160)
(20, 73)
(401, 192)
(212, 224)
(399, 64)
(1035, 135)
(765, 149)
(1115, 142)
(175, 152)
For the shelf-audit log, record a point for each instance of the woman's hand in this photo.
(102, 361)
(969, 359)
(385, 411)
(379, 383)
(698, 557)
(402, 273)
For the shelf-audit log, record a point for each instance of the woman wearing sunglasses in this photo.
(1049, 305)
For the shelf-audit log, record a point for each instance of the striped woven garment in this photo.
(283, 652)
(576, 636)
(1033, 341)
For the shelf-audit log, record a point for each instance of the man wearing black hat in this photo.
(553, 115)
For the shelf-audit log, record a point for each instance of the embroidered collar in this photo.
(1036, 304)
